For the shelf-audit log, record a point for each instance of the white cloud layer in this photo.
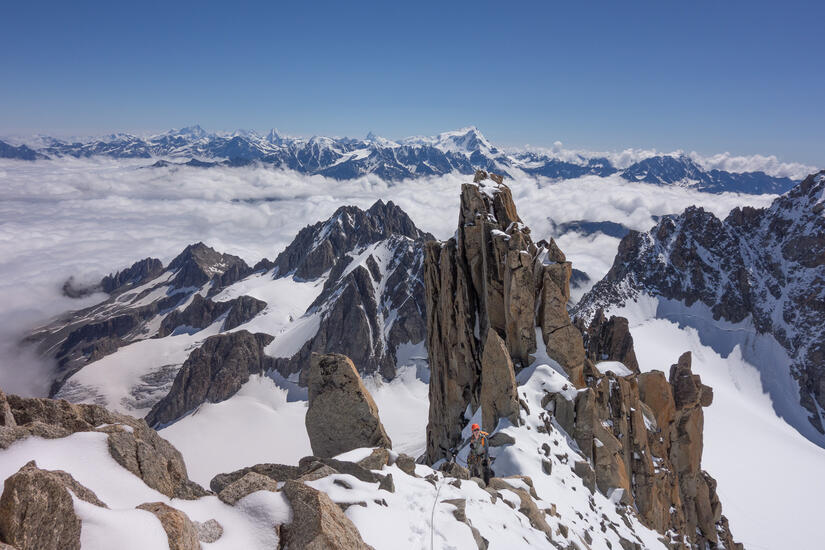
(771, 165)
(87, 218)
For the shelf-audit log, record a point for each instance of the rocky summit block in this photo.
(37, 509)
(342, 414)
(317, 522)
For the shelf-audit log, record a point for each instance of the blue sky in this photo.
(743, 77)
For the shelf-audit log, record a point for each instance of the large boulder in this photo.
(277, 472)
(498, 384)
(317, 522)
(342, 414)
(37, 509)
(180, 531)
(132, 443)
(250, 483)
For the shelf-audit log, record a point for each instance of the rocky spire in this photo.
(488, 279)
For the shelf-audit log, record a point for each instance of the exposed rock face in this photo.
(609, 340)
(139, 296)
(202, 312)
(132, 443)
(373, 296)
(640, 434)
(179, 529)
(342, 415)
(768, 264)
(643, 434)
(490, 278)
(317, 248)
(317, 522)
(214, 372)
(498, 384)
(37, 511)
(199, 264)
(139, 273)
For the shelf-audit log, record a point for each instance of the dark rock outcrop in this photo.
(180, 531)
(317, 522)
(140, 272)
(202, 312)
(317, 248)
(199, 264)
(214, 372)
(131, 442)
(373, 298)
(342, 415)
(609, 340)
(37, 510)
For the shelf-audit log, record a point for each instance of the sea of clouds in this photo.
(86, 218)
(770, 164)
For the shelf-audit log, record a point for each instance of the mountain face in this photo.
(352, 284)
(667, 170)
(21, 153)
(762, 270)
(461, 151)
(497, 317)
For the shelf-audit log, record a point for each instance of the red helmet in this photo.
(474, 427)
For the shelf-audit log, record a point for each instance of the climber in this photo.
(478, 461)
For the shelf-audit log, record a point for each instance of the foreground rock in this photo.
(180, 531)
(248, 484)
(37, 510)
(277, 472)
(132, 443)
(317, 522)
(342, 415)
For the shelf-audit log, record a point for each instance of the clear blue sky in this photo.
(744, 77)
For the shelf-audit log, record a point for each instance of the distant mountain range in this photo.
(462, 151)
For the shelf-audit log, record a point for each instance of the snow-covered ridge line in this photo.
(461, 151)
